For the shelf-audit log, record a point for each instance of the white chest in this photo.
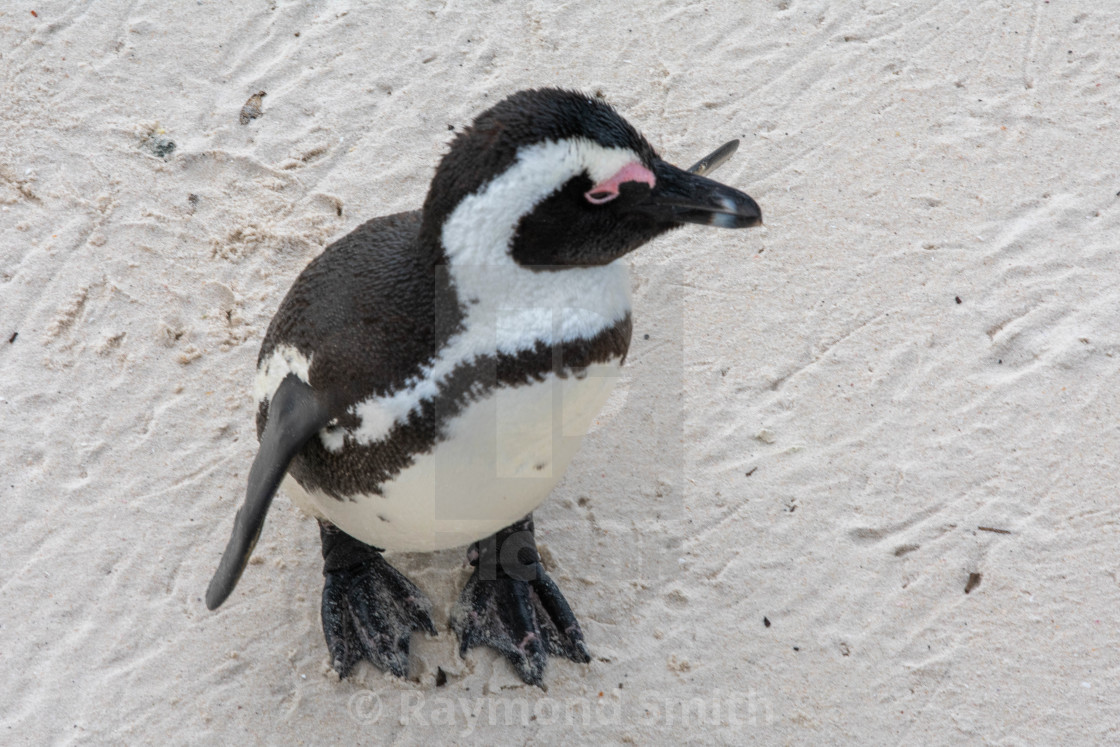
(501, 458)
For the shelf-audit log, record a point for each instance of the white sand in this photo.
(815, 432)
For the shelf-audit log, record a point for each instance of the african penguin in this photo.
(429, 376)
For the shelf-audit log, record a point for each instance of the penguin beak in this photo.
(681, 196)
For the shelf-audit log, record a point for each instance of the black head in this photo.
(556, 179)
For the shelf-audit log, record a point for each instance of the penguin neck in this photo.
(485, 299)
(514, 306)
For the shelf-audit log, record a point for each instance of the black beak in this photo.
(681, 196)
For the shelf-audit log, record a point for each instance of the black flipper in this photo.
(512, 605)
(294, 416)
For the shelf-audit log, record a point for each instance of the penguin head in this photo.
(552, 179)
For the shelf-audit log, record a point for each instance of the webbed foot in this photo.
(511, 605)
(370, 610)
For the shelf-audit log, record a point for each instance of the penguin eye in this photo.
(600, 196)
(608, 190)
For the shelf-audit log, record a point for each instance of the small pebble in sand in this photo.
(252, 108)
(160, 145)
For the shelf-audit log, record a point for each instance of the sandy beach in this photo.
(858, 483)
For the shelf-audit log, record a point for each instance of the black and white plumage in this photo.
(428, 378)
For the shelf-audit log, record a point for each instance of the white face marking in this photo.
(479, 231)
(508, 307)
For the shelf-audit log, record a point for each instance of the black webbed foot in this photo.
(370, 610)
(510, 604)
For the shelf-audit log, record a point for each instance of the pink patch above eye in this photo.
(606, 191)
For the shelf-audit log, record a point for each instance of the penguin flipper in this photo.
(294, 416)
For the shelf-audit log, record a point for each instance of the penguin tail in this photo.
(294, 416)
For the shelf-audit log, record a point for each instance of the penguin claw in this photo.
(568, 642)
(370, 611)
(524, 621)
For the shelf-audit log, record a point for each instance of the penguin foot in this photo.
(511, 605)
(370, 610)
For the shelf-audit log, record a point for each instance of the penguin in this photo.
(428, 377)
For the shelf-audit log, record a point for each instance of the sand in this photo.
(858, 483)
